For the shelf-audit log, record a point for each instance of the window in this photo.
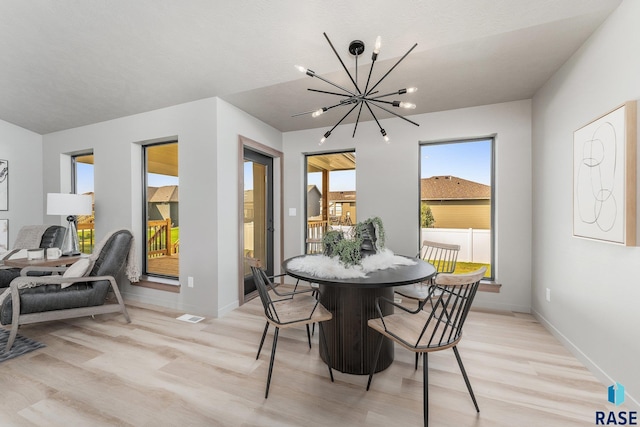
(330, 195)
(456, 199)
(82, 183)
(161, 210)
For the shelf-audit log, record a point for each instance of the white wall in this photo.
(387, 183)
(594, 286)
(207, 131)
(23, 150)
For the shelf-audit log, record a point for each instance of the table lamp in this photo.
(70, 205)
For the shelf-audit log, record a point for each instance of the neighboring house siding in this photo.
(314, 202)
(461, 213)
(163, 204)
(456, 202)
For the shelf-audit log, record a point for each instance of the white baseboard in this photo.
(599, 373)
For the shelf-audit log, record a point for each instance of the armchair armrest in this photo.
(24, 282)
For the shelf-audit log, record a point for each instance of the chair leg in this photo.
(425, 388)
(12, 336)
(273, 356)
(375, 361)
(323, 343)
(466, 379)
(15, 316)
(417, 358)
(264, 334)
(308, 335)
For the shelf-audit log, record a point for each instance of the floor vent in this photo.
(190, 318)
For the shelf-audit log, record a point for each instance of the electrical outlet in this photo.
(190, 281)
(548, 296)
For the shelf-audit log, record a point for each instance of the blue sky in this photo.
(85, 179)
(470, 160)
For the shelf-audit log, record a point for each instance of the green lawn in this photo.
(468, 267)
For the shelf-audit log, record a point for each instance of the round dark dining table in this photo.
(352, 302)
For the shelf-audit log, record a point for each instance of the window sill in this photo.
(157, 285)
(489, 286)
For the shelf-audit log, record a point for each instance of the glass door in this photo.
(258, 213)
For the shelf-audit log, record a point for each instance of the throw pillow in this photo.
(79, 268)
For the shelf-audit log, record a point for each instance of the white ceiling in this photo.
(69, 63)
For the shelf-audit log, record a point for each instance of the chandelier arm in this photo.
(336, 85)
(395, 114)
(373, 61)
(396, 64)
(379, 100)
(313, 111)
(343, 66)
(374, 116)
(375, 98)
(343, 117)
(330, 93)
(357, 120)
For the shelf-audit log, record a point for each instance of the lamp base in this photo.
(70, 244)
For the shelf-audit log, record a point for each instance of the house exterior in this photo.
(342, 205)
(457, 202)
(314, 201)
(162, 203)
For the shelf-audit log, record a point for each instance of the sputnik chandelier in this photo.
(357, 98)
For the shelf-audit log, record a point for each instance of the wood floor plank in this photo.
(158, 371)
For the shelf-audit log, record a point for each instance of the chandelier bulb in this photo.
(384, 135)
(318, 112)
(324, 138)
(407, 105)
(412, 89)
(376, 48)
(300, 68)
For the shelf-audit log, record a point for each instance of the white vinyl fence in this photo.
(475, 244)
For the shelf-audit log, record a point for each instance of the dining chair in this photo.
(443, 256)
(433, 328)
(288, 310)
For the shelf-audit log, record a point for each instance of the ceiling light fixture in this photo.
(360, 98)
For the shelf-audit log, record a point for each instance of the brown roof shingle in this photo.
(449, 187)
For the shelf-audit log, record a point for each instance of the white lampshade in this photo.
(68, 204)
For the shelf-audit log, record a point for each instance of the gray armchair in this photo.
(39, 299)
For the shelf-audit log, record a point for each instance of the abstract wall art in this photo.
(604, 177)
(4, 235)
(4, 185)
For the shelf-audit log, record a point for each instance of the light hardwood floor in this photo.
(158, 371)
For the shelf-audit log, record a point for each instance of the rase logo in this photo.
(616, 396)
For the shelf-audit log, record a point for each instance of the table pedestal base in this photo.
(351, 343)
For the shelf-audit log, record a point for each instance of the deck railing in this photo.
(159, 243)
(86, 237)
(159, 239)
(315, 232)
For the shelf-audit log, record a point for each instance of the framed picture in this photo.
(4, 235)
(4, 185)
(604, 177)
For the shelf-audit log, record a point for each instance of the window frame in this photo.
(492, 139)
(145, 212)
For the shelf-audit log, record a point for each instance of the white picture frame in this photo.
(604, 177)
